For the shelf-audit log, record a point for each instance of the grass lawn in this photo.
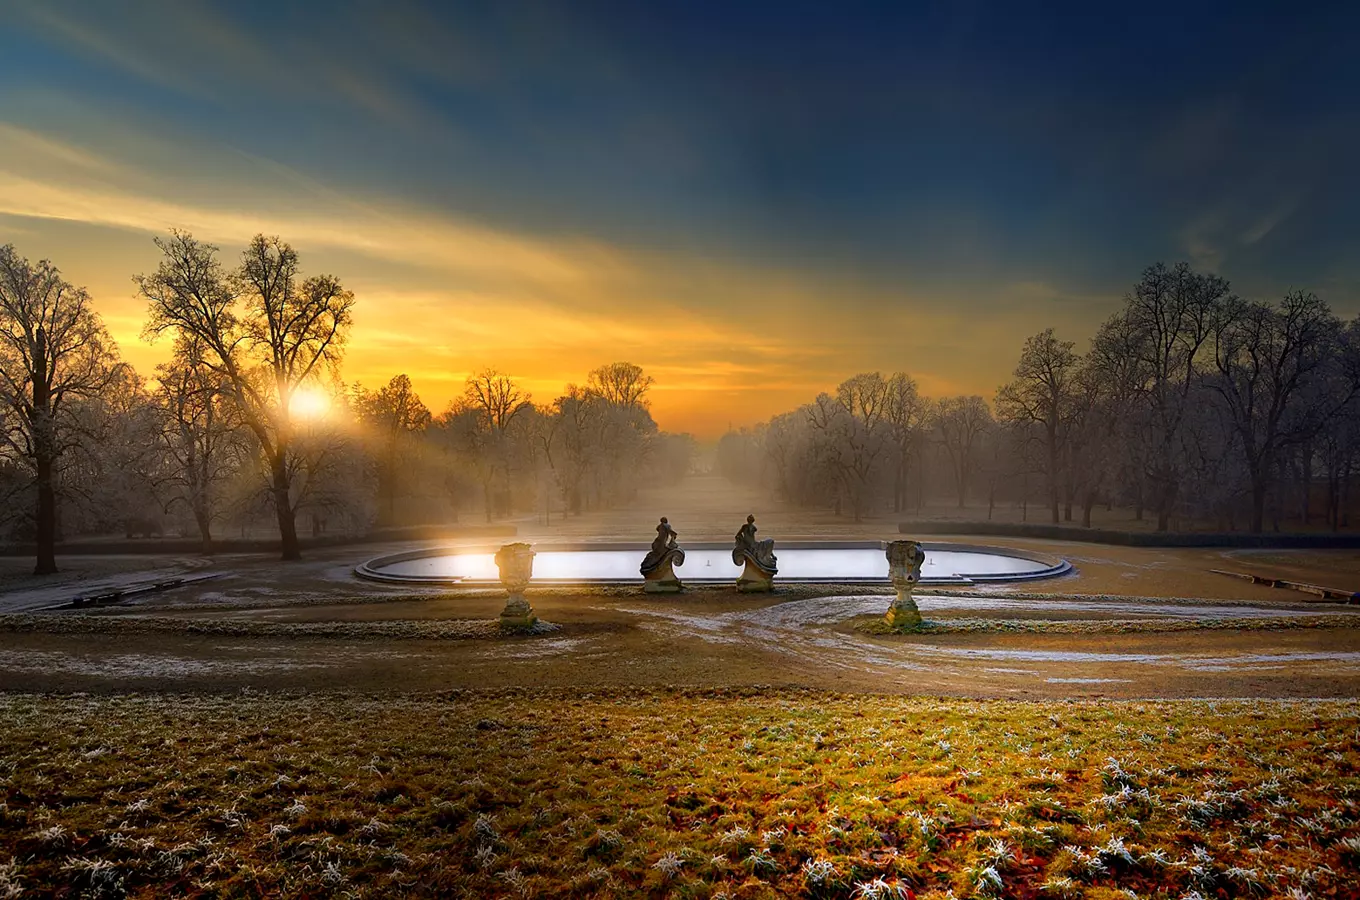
(704, 794)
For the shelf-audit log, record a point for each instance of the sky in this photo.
(753, 201)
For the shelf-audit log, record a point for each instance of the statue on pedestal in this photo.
(905, 559)
(516, 564)
(756, 557)
(658, 564)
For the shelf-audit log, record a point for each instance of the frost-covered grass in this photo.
(390, 629)
(736, 794)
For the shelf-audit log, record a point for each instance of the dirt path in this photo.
(629, 639)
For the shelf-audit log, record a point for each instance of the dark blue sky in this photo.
(979, 157)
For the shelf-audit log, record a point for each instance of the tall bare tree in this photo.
(853, 428)
(54, 351)
(266, 331)
(1165, 323)
(200, 433)
(1267, 358)
(906, 413)
(572, 424)
(393, 415)
(1041, 393)
(962, 422)
(621, 384)
(490, 405)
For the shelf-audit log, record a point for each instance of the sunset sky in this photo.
(752, 201)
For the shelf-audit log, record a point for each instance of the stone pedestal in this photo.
(904, 569)
(516, 564)
(754, 579)
(903, 612)
(662, 579)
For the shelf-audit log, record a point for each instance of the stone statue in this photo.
(516, 562)
(756, 557)
(905, 559)
(657, 565)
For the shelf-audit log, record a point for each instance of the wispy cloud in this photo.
(443, 296)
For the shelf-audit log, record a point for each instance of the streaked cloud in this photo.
(752, 213)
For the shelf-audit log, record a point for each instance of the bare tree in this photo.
(621, 384)
(1165, 322)
(54, 350)
(1118, 421)
(1041, 393)
(393, 415)
(1094, 422)
(1267, 359)
(490, 405)
(200, 433)
(852, 426)
(267, 333)
(905, 413)
(569, 442)
(962, 422)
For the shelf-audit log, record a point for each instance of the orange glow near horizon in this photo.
(729, 342)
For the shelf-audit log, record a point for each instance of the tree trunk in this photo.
(1344, 505)
(1258, 505)
(391, 492)
(1166, 502)
(283, 509)
(44, 451)
(1086, 508)
(1053, 487)
(204, 522)
(47, 519)
(1306, 480)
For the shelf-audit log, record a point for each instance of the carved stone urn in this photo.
(904, 568)
(516, 562)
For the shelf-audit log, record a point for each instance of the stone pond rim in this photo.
(808, 562)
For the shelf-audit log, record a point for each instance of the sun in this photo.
(309, 403)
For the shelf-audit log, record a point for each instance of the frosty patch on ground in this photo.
(1088, 680)
(139, 665)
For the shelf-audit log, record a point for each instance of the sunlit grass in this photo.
(686, 795)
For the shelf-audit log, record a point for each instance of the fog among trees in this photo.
(248, 431)
(1190, 405)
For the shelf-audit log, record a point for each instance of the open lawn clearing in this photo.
(747, 793)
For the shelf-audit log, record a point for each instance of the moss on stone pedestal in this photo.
(518, 623)
(518, 614)
(903, 614)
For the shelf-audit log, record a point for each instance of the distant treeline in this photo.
(1190, 403)
(248, 422)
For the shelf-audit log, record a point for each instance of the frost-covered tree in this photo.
(54, 353)
(267, 332)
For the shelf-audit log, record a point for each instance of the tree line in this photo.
(248, 417)
(1191, 403)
